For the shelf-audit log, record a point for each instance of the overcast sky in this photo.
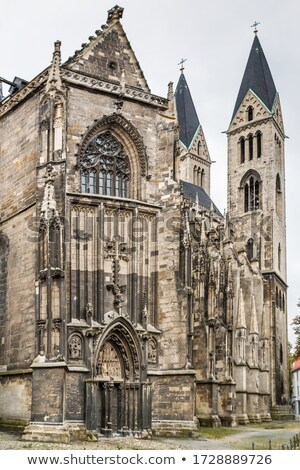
(215, 37)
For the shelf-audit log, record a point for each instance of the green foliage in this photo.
(296, 322)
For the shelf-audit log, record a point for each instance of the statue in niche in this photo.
(152, 351)
(89, 311)
(75, 347)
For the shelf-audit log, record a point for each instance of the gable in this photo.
(109, 56)
(260, 111)
(199, 146)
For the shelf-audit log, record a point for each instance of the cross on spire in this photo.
(255, 24)
(181, 64)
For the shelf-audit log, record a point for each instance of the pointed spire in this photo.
(241, 318)
(54, 79)
(253, 319)
(230, 280)
(257, 77)
(186, 112)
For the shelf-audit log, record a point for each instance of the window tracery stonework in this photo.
(105, 167)
(120, 122)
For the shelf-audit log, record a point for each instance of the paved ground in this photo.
(239, 439)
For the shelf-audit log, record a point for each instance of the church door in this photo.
(117, 399)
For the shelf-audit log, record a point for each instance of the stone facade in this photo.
(128, 303)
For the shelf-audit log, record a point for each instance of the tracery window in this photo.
(251, 193)
(105, 167)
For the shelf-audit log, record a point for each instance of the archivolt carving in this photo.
(121, 339)
(108, 363)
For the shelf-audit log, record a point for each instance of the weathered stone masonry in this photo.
(128, 303)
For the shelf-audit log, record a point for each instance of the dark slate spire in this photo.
(257, 77)
(186, 112)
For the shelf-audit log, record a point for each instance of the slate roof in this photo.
(186, 112)
(191, 190)
(257, 77)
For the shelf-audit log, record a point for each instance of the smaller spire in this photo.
(264, 323)
(54, 79)
(171, 99)
(241, 318)
(253, 321)
(186, 112)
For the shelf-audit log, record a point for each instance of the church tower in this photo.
(256, 200)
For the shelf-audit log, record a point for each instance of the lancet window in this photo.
(251, 194)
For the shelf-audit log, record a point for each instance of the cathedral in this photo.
(129, 304)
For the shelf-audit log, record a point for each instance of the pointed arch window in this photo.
(242, 149)
(279, 256)
(250, 146)
(105, 167)
(195, 175)
(258, 144)
(250, 113)
(251, 185)
(199, 148)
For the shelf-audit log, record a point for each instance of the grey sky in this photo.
(214, 36)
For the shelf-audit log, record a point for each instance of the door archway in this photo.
(118, 397)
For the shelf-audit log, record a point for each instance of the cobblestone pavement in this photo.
(242, 438)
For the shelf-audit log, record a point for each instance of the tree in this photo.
(296, 322)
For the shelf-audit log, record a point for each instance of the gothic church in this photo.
(129, 304)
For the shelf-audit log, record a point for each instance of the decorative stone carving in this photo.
(89, 311)
(152, 351)
(75, 346)
(108, 363)
(56, 325)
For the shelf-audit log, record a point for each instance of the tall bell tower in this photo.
(256, 200)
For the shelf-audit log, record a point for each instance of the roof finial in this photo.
(181, 65)
(114, 14)
(255, 24)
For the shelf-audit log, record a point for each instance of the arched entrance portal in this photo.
(118, 396)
